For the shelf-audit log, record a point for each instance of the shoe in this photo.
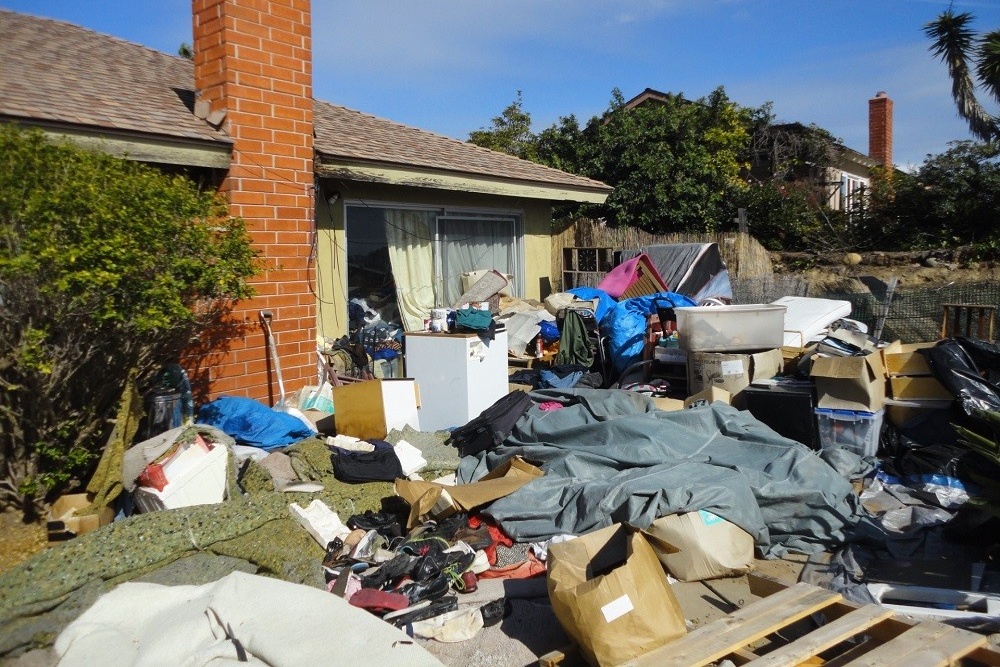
(457, 564)
(496, 611)
(432, 609)
(477, 538)
(425, 590)
(367, 546)
(470, 584)
(389, 571)
(378, 602)
(384, 523)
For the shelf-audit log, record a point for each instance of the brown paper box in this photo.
(850, 383)
(372, 408)
(64, 523)
(667, 404)
(707, 397)
(611, 595)
(732, 372)
(905, 359)
(432, 500)
(700, 545)
(918, 388)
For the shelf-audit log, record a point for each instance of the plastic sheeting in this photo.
(610, 456)
(696, 270)
(625, 325)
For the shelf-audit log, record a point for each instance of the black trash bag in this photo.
(959, 364)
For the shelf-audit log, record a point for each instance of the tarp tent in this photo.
(695, 270)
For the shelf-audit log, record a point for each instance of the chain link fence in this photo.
(914, 314)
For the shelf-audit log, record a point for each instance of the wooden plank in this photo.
(928, 644)
(825, 637)
(723, 636)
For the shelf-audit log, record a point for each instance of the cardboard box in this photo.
(707, 397)
(700, 545)
(850, 383)
(430, 500)
(373, 408)
(611, 596)
(201, 482)
(65, 523)
(906, 359)
(792, 357)
(911, 388)
(731, 372)
(668, 404)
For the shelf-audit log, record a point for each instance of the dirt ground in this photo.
(19, 541)
(923, 269)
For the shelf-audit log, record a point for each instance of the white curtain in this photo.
(470, 245)
(411, 254)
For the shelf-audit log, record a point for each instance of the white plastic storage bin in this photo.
(730, 328)
(204, 484)
(856, 431)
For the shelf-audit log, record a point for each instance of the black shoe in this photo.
(496, 611)
(389, 571)
(426, 590)
(385, 524)
(435, 608)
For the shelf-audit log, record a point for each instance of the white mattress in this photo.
(807, 318)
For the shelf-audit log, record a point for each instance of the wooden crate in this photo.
(855, 635)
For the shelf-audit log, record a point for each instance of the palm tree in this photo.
(956, 44)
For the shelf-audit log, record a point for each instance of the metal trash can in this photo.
(163, 412)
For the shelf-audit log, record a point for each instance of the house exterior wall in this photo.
(253, 63)
(331, 261)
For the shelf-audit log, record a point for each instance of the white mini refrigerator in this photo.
(458, 375)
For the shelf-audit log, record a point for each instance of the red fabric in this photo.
(532, 567)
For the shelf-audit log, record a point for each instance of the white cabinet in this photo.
(458, 375)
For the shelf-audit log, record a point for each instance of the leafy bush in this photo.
(106, 267)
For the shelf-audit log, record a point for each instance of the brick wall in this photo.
(880, 128)
(253, 61)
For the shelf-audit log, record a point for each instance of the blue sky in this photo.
(449, 66)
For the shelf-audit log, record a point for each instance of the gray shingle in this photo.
(59, 72)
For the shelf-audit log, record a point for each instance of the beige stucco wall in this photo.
(331, 257)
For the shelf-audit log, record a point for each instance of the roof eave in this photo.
(213, 154)
(458, 181)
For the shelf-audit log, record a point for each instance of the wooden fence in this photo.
(745, 257)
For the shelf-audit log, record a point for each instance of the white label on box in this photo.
(732, 367)
(617, 608)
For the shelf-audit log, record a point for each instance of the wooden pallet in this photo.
(854, 635)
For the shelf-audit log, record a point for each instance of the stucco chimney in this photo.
(880, 128)
(253, 73)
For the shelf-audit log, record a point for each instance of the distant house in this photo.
(342, 204)
(846, 173)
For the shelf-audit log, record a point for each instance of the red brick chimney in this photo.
(880, 128)
(253, 76)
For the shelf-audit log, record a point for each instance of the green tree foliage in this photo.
(673, 162)
(106, 266)
(955, 43)
(510, 132)
(952, 199)
(678, 165)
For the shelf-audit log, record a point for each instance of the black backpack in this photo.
(492, 426)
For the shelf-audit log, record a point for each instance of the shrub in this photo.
(107, 267)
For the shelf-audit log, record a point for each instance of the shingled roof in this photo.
(60, 74)
(345, 133)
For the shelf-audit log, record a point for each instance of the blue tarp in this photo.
(252, 423)
(625, 325)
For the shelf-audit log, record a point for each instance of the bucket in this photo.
(163, 412)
